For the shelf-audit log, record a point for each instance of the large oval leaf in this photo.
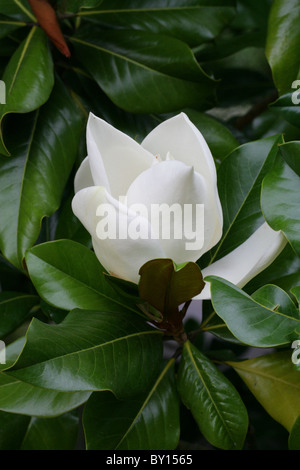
(212, 399)
(143, 72)
(32, 181)
(28, 77)
(275, 382)
(68, 275)
(91, 351)
(192, 21)
(250, 321)
(148, 422)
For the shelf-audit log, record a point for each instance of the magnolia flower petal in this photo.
(179, 137)
(247, 260)
(115, 158)
(121, 257)
(174, 199)
(83, 177)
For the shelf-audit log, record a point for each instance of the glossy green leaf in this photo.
(192, 21)
(283, 43)
(281, 202)
(90, 351)
(275, 298)
(149, 422)
(212, 399)
(51, 433)
(28, 77)
(239, 183)
(20, 397)
(15, 307)
(17, 396)
(167, 74)
(33, 179)
(294, 438)
(250, 320)
(275, 383)
(68, 275)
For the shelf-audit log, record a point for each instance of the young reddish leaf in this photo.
(47, 19)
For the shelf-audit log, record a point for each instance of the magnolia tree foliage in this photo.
(139, 344)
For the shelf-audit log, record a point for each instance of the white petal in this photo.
(247, 260)
(172, 186)
(115, 158)
(121, 257)
(180, 137)
(83, 177)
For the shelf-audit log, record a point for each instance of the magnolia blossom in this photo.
(172, 167)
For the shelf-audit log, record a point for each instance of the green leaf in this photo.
(68, 275)
(15, 308)
(283, 43)
(28, 77)
(20, 397)
(191, 21)
(275, 383)
(274, 298)
(150, 422)
(167, 74)
(212, 399)
(280, 202)
(294, 438)
(51, 433)
(32, 181)
(250, 321)
(17, 396)
(239, 183)
(90, 351)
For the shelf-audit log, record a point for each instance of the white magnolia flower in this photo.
(173, 165)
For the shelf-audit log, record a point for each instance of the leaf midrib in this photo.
(262, 374)
(92, 348)
(150, 10)
(138, 64)
(101, 294)
(229, 433)
(146, 401)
